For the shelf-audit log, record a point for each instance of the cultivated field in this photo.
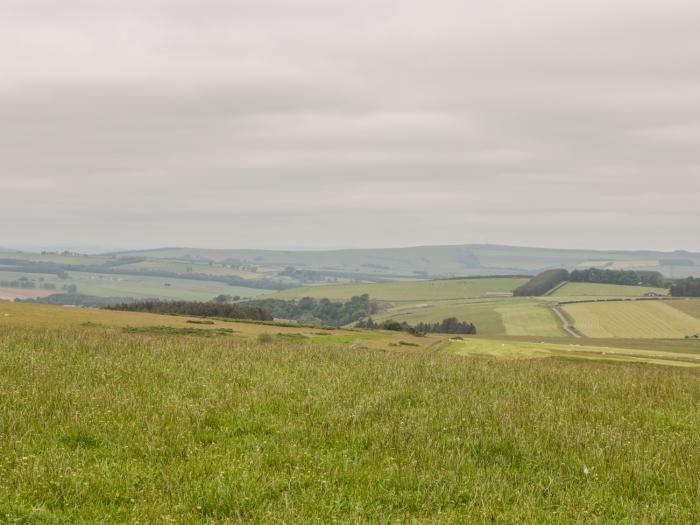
(632, 319)
(604, 290)
(101, 425)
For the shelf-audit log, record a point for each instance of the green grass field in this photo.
(574, 290)
(409, 290)
(163, 287)
(632, 319)
(688, 355)
(492, 317)
(103, 426)
(529, 318)
(482, 313)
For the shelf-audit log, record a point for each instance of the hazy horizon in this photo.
(313, 125)
(95, 250)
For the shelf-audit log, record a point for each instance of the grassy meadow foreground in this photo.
(123, 417)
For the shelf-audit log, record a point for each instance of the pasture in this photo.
(575, 290)
(632, 319)
(103, 426)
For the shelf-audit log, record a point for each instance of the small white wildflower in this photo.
(586, 470)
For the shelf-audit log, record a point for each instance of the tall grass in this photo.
(97, 427)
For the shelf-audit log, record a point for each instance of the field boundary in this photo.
(565, 324)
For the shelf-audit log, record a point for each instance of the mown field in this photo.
(634, 319)
(492, 316)
(103, 426)
(604, 290)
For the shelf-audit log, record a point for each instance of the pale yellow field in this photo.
(524, 350)
(632, 319)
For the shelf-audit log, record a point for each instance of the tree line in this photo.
(76, 299)
(197, 309)
(318, 311)
(451, 325)
(25, 283)
(549, 279)
(689, 287)
(624, 277)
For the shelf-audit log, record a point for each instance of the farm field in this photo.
(480, 312)
(574, 290)
(137, 286)
(616, 352)
(632, 319)
(530, 318)
(183, 268)
(409, 290)
(153, 427)
(690, 307)
(163, 287)
(491, 316)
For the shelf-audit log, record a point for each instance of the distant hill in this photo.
(442, 261)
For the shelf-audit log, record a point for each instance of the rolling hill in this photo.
(444, 261)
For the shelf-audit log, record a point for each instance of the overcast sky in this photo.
(350, 123)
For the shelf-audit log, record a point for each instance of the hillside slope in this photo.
(457, 260)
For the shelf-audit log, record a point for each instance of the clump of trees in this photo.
(689, 287)
(626, 277)
(542, 283)
(318, 311)
(76, 299)
(210, 309)
(451, 325)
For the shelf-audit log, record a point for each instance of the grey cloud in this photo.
(327, 124)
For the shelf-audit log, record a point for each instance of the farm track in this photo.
(565, 323)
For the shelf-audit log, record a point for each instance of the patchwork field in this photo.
(632, 319)
(100, 425)
(690, 307)
(137, 286)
